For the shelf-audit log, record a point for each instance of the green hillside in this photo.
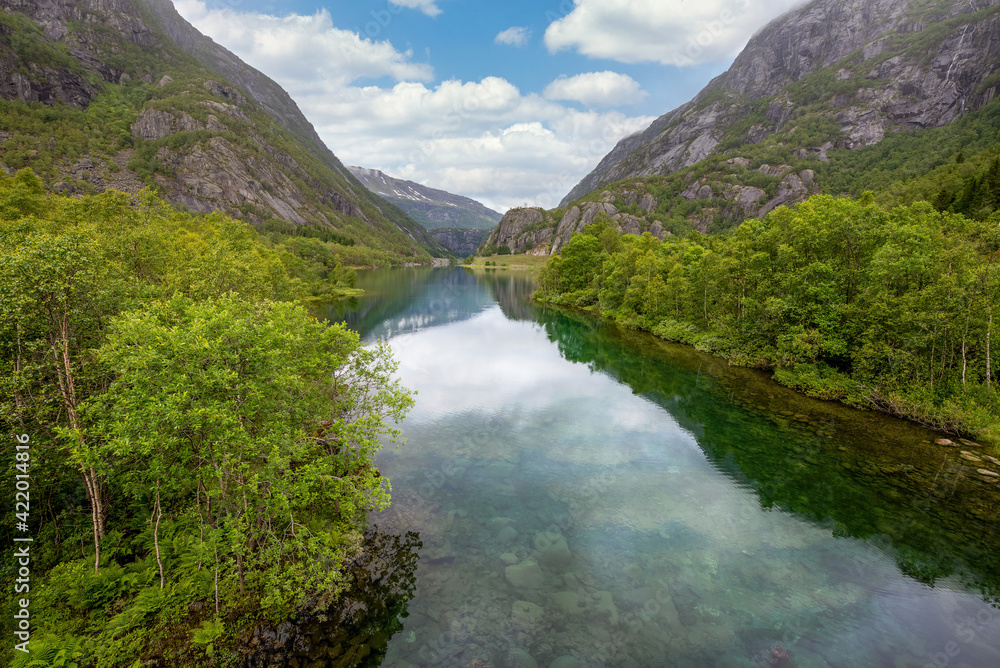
(132, 109)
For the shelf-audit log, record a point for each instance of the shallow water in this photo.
(592, 497)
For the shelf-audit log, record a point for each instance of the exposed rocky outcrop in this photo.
(540, 232)
(904, 65)
(154, 124)
(217, 172)
(458, 240)
(536, 231)
(43, 84)
(523, 231)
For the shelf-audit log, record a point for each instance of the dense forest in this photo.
(889, 308)
(199, 446)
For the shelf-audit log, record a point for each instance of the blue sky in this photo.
(508, 102)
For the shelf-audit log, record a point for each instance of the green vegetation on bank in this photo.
(889, 309)
(201, 447)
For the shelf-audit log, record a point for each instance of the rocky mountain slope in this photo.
(835, 97)
(430, 207)
(101, 94)
(832, 74)
(459, 240)
(459, 223)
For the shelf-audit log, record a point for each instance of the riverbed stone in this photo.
(498, 524)
(519, 658)
(554, 552)
(636, 598)
(568, 602)
(565, 661)
(509, 558)
(988, 473)
(604, 607)
(968, 456)
(945, 441)
(507, 535)
(526, 575)
(526, 615)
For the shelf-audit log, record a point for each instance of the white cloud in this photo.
(597, 89)
(483, 139)
(514, 36)
(302, 50)
(428, 7)
(677, 32)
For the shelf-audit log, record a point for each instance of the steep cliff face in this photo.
(458, 240)
(208, 131)
(851, 71)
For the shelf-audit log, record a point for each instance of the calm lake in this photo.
(593, 497)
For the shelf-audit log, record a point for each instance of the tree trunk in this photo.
(965, 335)
(216, 581)
(989, 370)
(157, 513)
(59, 344)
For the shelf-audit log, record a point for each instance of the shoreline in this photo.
(975, 439)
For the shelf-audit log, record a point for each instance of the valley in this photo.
(732, 401)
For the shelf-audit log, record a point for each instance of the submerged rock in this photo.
(507, 535)
(498, 524)
(565, 661)
(568, 602)
(526, 615)
(518, 658)
(526, 575)
(509, 558)
(554, 552)
(604, 607)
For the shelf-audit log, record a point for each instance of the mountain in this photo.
(832, 74)
(835, 97)
(99, 94)
(459, 223)
(430, 207)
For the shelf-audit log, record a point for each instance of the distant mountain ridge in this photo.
(137, 96)
(430, 207)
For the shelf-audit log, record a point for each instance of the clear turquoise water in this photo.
(592, 497)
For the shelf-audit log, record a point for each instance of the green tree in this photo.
(259, 421)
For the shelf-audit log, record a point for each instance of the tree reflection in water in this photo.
(355, 631)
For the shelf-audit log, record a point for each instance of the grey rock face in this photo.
(523, 231)
(535, 231)
(460, 241)
(904, 89)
